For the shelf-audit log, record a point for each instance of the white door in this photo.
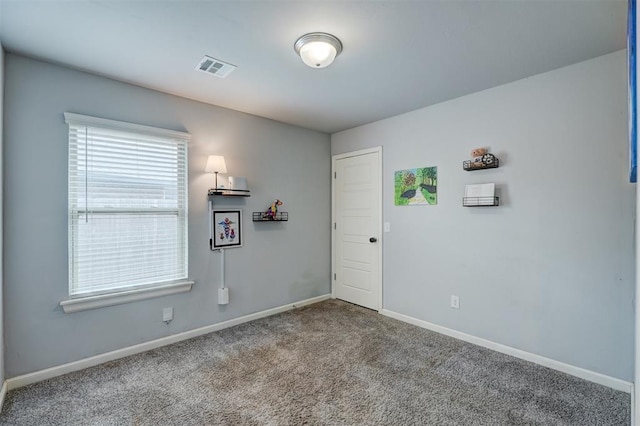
(357, 246)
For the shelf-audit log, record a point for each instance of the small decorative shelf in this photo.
(470, 165)
(262, 217)
(480, 201)
(229, 192)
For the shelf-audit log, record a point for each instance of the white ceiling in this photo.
(398, 55)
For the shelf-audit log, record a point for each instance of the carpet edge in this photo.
(582, 373)
(48, 373)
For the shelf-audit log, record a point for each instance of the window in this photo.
(127, 207)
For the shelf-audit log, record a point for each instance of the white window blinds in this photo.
(127, 206)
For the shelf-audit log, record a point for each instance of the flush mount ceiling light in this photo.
(318, 50)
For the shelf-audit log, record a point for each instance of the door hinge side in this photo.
(335, 175)
(334, 276)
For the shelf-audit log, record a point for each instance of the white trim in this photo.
(582, 373)
(87, 120)
(357, 153)
(334, 158)
(3, 394)
(633, 405)
(99, 301)
(38, 376)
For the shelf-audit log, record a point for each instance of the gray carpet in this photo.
(331, 363)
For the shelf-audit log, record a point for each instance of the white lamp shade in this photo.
(318, 54)
(215, 163)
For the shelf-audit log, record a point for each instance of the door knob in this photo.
(373, 239)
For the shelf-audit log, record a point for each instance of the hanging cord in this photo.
(221, 250)
(221, 268)
(210, 218)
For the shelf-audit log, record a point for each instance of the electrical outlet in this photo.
(387, 227)
(167, 315)
(455, 302)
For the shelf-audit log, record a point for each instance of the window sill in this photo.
(102, 300)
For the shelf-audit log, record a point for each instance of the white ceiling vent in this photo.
(215, 66)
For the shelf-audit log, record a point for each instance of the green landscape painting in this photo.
(416, 186)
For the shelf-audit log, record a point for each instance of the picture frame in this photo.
(227, 228)
(414, 187)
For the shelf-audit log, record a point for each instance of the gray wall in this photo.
(280, 263)
(551, 270)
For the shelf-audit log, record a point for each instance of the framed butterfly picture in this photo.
(227, 229)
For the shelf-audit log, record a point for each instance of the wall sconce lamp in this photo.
(216, 164)
(318, 50)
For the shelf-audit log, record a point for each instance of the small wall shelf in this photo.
(223, 192)
(480, 201)
(262, 217)
(471, 166)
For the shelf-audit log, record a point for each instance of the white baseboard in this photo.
(582, 373)
(633, 405)
(3, 393)
(37, 376)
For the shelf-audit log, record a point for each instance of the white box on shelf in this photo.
(238, 183)
(481, 194)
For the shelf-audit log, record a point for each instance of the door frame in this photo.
(334, 158)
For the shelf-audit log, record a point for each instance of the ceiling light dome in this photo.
(318, 50)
